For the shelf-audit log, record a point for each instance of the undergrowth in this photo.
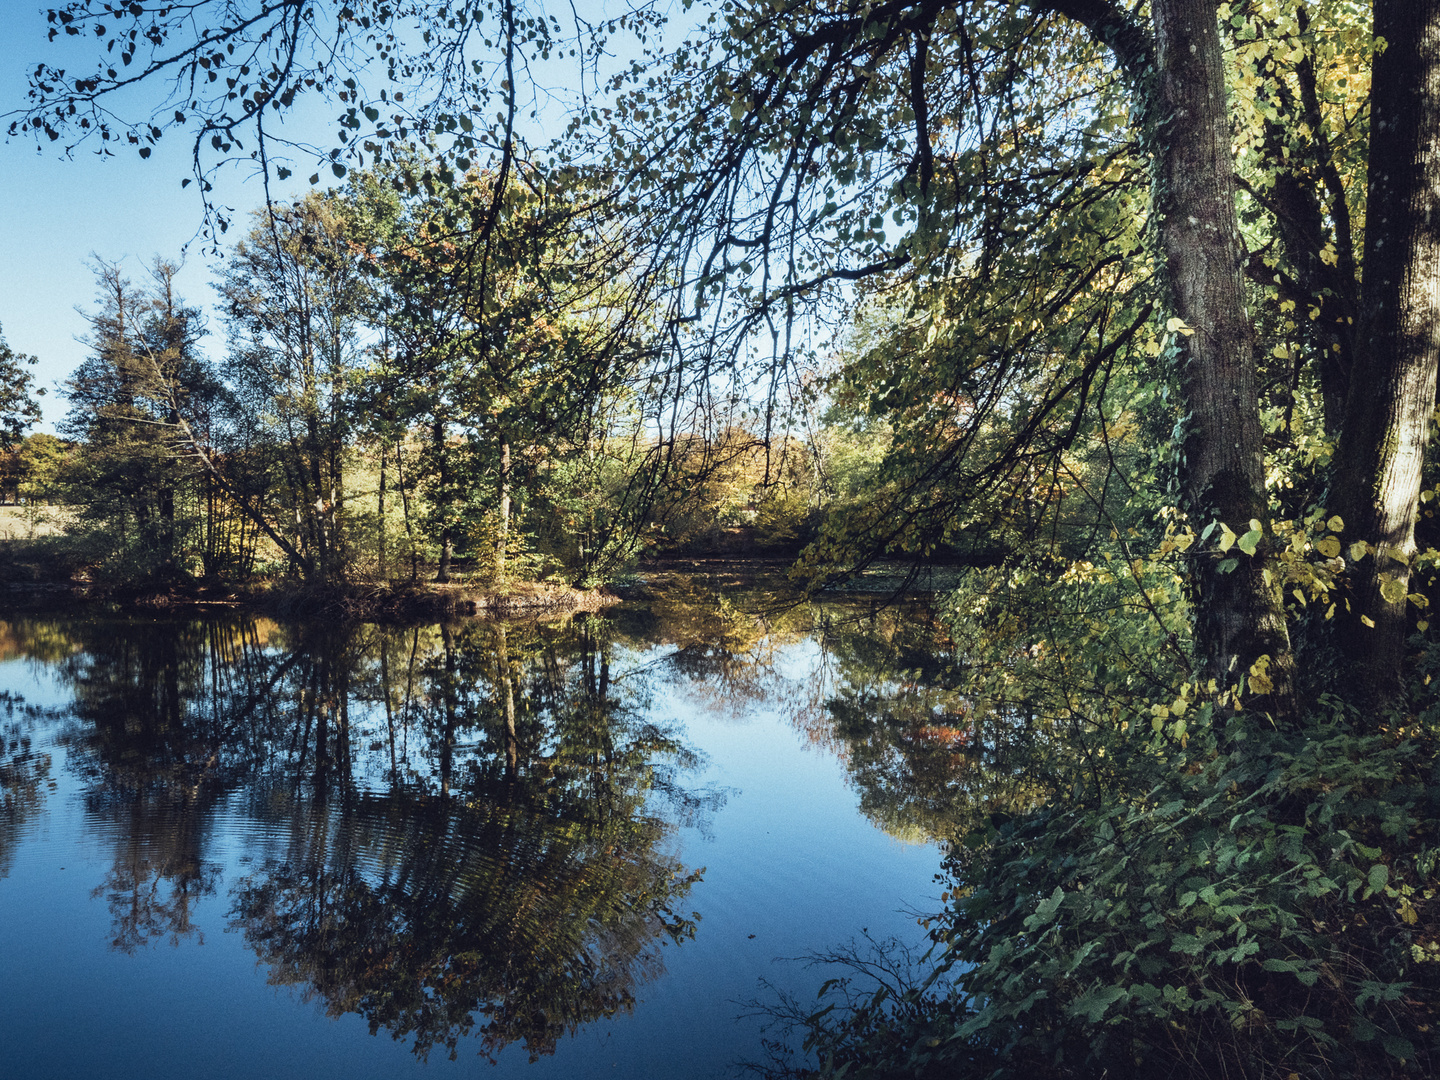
(1252, 904)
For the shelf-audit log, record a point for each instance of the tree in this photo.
(1393, 377)
(144, 369)
(516, 324)
(294, 294)
(18, 410)
(798, 108)
(220, 69)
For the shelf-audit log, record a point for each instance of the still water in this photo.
(236, 848)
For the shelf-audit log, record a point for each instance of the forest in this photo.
(1126, 311)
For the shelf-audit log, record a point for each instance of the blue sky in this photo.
(58, 214)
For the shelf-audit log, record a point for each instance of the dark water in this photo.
(230, 847)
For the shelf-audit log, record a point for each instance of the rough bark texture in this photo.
(1239, 616)
(1392, 395)
(1177, 76)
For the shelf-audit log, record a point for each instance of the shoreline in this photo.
(351, 601)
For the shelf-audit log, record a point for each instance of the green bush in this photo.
(1254, 904)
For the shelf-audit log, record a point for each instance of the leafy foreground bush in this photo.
(1254, 904)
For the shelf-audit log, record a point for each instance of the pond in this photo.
(231, 847)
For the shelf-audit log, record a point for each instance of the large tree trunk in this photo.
(1239, 616)
(1392, 392)
(1176, 75)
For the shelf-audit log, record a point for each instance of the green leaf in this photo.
(1093, 1003)
(1378, 877)
(1392, 590)
(1250, 541)
(1397, 1046)
(1047, 909)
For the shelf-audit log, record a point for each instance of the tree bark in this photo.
(1392, 393)
(1239, 615)
(1176, 75)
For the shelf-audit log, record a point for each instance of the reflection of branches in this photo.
(23, 775)
(435, 918)
(142, 909)
(515, 883)
(875, 984)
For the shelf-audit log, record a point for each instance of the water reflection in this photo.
(24, 778)
(450, 830)
(466, 835)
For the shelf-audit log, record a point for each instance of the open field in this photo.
(28, 522)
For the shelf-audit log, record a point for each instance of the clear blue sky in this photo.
(58, 213)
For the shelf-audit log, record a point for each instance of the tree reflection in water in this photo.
(465, 832)
(453, 830)
(24, 778)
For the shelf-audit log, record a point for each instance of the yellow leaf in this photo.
(1336, 524)
(1329, 547)
(1393, 591)
(1422, 625)
(1227, 537)
(1368, 621)
(1261, 684)
(1358, 550)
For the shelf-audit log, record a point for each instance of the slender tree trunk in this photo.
(405, 509)
(380, 516)
(503, 539)
(1239, 615)
(447, 742)
(1392, 394)
(444, 495)
(167, 524)
(1176, 74)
